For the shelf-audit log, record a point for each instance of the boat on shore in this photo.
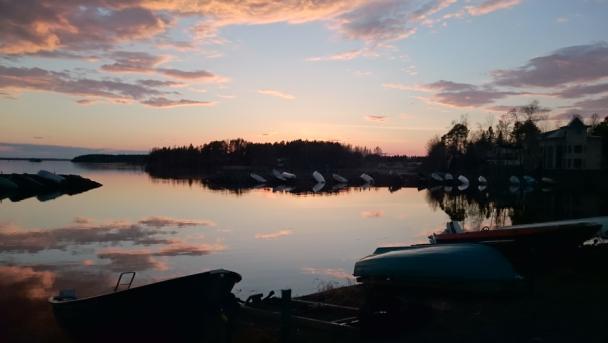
(550, 233)
(189, 298)
(449, 267)
(318, 177)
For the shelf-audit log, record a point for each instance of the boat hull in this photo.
(465, 267)
(180, 301)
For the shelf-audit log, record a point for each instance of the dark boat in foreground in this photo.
(186, 302)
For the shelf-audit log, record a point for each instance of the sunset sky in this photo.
(131, 75)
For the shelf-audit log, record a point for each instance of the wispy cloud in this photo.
(274, 235)
(276, 93)
(164, 102)
(372, 214)
(490, 6)
(376, 118)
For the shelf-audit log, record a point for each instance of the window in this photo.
(578, 149)
(577, 163)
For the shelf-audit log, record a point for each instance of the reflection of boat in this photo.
(482, 188)
(318, 177)
(277, 174)
(514, 180)
(366, 178)
(463, 187)
(463, 179)
(48, 196)
(257, 177)
(339, 178)
(447, 189)
(338, 186)
(51, 176)
(451, 267)
(186, 297)
(482, 179)
(548, 180)
(514, 189)
(448, 177)
(288, 175)
(529, 179)
(318, 187)
(437, 177)
(544, 233)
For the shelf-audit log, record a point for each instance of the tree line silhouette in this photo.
(297, 154)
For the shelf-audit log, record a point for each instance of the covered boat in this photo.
(482, 179)
(278, 175)
(437, 177)
(449, 267)
(50, 176)
(288, 175)
(183, 299)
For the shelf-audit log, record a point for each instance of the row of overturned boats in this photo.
(447, 181)
(498, 261)
(285, 178)
(44, 185)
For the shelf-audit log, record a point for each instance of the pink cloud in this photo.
(276, 93)
(274, 235)
(159, 222)
(376, 118)
(490, 6)
(166, 103)
(372, 214)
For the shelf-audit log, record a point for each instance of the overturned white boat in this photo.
(482, 179)
(257, 177)
(437, 177)
(45, 174)
(318, 177)
(339, 178)
(463, 179)
(367, 178)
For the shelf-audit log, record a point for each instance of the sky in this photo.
(127, 76)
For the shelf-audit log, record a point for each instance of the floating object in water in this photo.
(514, 180)
(449, 267)
(529, 179)
(187, 297)
(448, 177)
(463, 179)
(339, 178)
(51, 176)
(7, 184)
(482, 188)
(437, 177)
(318, 177)
(482, 179)
(278, 175)
(288, 176)
(367, 178)
(257, 178)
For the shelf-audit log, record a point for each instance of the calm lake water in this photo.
(274, 239)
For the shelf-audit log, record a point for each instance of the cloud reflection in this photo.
(274, 235)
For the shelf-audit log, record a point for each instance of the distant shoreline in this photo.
(33, 158)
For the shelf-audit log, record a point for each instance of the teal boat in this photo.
(450, 267)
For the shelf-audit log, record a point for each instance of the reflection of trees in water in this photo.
(239, 189)
(478, 209)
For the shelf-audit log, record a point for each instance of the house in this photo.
(571, 147)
